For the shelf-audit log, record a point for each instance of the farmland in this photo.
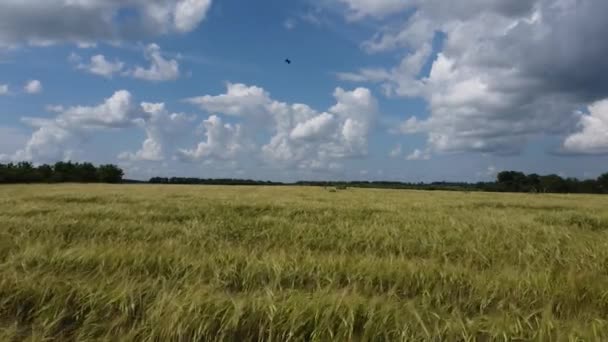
(207, 263)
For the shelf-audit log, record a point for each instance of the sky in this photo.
(404, 90)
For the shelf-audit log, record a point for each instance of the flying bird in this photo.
(287, 61)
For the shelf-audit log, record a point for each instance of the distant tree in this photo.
(602, 183)
(63, 172)
(109, 174)
(511, 181)
(46, 172)
(533, 183)
(589, 186)
(87, 173)
(7, 173)
(553, 183)
(25, 172)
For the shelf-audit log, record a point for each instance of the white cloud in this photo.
(86, 45)
(358, 9)
(239, 100)
(224, 141)
(412, 125)
(364, 75)
(150, 150)
(54, 108)
(314, 128)
(55, 138)
(418, 30)
(354, 113)
(33, 87)
(3, 89)
(99, 65)
(163, 130)
(116, 111)
(419, 155)
(48, 143)
(189, 13)
(401, 80)
(74, 58)
(300, 136)
(259, 130)
(160, 69)
(504, 74)
(85, 22)
(593, 135)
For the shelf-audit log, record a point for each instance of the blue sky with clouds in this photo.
(378, 89)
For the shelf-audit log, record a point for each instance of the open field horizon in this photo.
(283, 263)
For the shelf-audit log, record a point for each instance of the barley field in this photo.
(207, 263)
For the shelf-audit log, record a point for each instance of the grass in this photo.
(206, 263)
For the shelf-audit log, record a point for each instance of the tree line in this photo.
(513, 181)
(506, 181)
(209, 181)
(60, 172)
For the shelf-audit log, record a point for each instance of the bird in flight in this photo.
(287, 61)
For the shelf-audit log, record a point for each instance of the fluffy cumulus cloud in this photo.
(189, 13)
(53, 139)
(239, 100)
(418, 155)
(245, 125)
(57, 138)
(100, 66)
(315, 128)
(358, 9)
(507, 70)
(89, 21)
(160, 69)
(223, 142)
(33, 87)
(300, 136)
(593, 134)
(163, 130)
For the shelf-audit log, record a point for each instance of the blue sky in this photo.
(378, 89)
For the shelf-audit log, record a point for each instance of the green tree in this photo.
(589, 186)
(553, 183)
(109, 174)
(25, 172)
(63, 172)
(602, 182)
(46, 172)
(511, 181)
(87, 173)
(533, 183)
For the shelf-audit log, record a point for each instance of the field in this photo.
(203, 263)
